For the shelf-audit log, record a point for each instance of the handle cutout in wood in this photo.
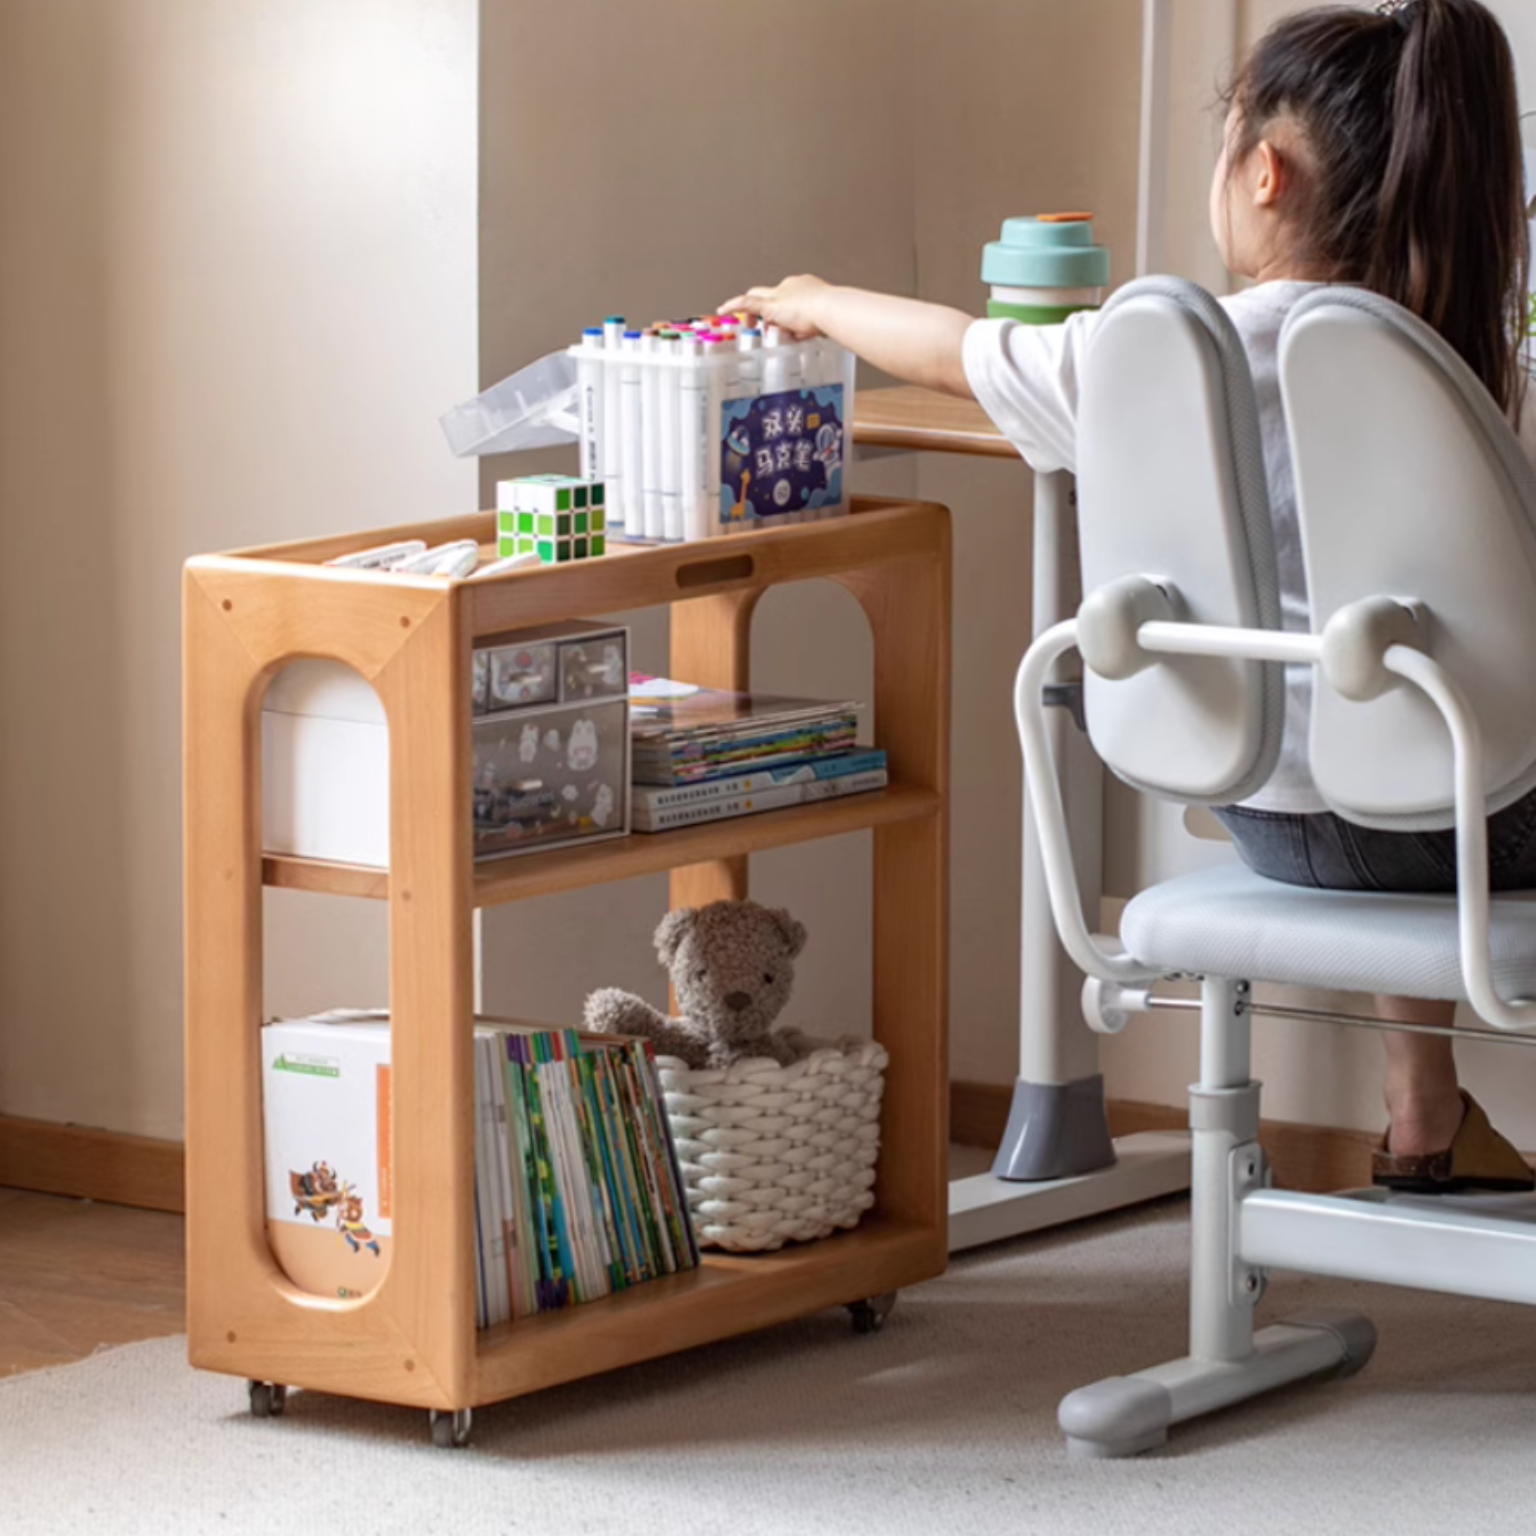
(709, 573)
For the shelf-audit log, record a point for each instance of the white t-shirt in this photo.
(1027, 379)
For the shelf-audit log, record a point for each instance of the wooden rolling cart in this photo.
(413, 1341)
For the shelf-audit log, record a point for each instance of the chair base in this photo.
(1127, 1415)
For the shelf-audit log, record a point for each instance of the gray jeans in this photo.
(1330, 853)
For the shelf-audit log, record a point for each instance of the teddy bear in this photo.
(731, 966)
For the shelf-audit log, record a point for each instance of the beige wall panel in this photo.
(239, 286)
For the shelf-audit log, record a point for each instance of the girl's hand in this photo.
(793, 306)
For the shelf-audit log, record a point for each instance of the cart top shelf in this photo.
(628, 577)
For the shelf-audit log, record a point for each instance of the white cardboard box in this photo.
(326, 1119)
(325, 753)
(325, 765)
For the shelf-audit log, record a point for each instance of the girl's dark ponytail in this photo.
(1415, 185)
(1451, 235)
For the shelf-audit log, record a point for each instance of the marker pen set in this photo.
(411, 557)
(710, 426)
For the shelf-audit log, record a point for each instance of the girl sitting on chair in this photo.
(1375, 148)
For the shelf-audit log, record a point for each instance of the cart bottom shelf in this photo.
(728, 1294)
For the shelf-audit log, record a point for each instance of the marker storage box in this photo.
(550, 724)
(697, 434)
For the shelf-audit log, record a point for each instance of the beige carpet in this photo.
(945, 1423)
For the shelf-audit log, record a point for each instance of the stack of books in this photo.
(577, 1188)
(700, 754)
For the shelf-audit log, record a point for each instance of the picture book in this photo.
(682, 734)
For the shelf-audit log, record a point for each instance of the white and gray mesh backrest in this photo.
(1171, 485)
(1411, 484)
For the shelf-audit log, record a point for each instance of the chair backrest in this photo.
(1411, 484)
(1171, 485)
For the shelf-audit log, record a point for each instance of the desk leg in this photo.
(1057, 1125)
(1056, 1161)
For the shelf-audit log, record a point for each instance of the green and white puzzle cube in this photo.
(554, 517)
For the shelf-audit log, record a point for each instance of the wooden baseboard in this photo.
(140, 1171)
(91, 1165)
(1314, 1158)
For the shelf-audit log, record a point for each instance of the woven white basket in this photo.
(771, 1154)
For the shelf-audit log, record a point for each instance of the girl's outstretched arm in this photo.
(920, 343)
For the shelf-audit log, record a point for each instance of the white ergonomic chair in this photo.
(1418, 515)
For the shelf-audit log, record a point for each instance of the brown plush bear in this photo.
(731, 965)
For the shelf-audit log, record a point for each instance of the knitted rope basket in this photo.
(773, 1155)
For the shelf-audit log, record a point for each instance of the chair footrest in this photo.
(1474, 1245)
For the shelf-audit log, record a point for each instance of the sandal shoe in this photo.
(1478, 1158)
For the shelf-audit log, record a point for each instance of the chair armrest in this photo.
(1043, 783)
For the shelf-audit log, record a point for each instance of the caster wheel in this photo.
(267, 1399)
(869, 1316)
(450, 1431)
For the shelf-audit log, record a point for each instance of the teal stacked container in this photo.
(1045, 268)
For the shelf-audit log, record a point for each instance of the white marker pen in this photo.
(589, 379)
(773, 360)
(670, 388)
(693, 402)
(781, 375)
(457, 562)
(612, 452)
(650, 440)
(427, 563)
(381, 557)
(748, 387)
(501, 567)
(749, 343)
(718, 371)
(631, 498)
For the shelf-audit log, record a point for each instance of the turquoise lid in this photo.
(1053, 251)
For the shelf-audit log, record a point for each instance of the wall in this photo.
(237, 285)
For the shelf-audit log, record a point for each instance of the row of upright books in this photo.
(577, 1187)
(702, 754)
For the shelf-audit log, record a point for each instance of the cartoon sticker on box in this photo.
(481, 685)
(602, 806)
(581, 748)
(349, 1222)
(315, 1192)
(781, 453)
(522, 674)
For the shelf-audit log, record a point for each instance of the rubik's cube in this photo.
(552, 516)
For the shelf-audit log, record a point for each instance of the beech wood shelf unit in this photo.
(414, 1340)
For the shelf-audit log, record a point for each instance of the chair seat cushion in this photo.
(1231, 922)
